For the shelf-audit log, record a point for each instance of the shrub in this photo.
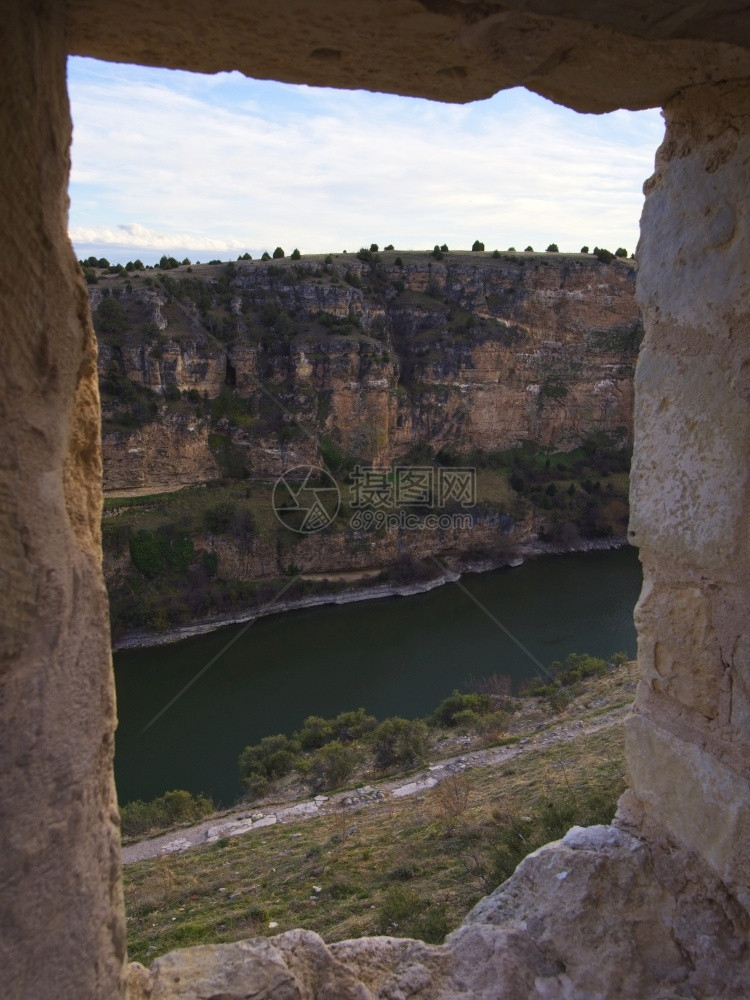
(496, 254)
(477, 246)
(352, 279)
(278, 253)
(171, 393)
(264, 762)
(400, 743)
(621, 252)
(266, 255)
(155, 553)
(109, 317)
(315, 732)
(346, 727)
(528, 249)
(389, 247)
(602, 255)
(173, 807)
(295, 255)
(331, 765)
(553, 248)
(451, 800)
(446, 712)
(584, 249)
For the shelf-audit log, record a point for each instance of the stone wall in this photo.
(689, 739)
(682, 881)
(61, 920)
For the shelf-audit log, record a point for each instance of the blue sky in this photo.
(211, 166)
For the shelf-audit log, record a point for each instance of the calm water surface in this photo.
(399, 656)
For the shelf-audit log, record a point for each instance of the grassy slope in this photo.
(410, 867)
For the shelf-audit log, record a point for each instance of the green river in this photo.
(397, 656)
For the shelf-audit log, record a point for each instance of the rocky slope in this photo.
(368, 358)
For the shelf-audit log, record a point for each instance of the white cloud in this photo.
(226, 163)
(136, 235)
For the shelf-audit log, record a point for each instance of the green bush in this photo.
(264, 762)
(167, 810)
(602, 255)
(278, 253)
(109, 317)
(446, 712)
(400, 743)
(155, 553)
(553, 248)
(346, 727)
(295, 255)
(331, 765)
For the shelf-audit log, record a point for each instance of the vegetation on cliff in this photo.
(222, 376)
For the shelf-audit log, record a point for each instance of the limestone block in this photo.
(292, 966)
(689, 484)
(702, 803)
(678, 649)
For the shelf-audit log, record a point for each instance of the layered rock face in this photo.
(469, 352)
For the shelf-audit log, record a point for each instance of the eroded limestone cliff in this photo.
(367, 358)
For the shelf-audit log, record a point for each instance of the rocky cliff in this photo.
(363, 356)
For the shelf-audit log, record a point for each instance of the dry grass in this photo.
(417, 863)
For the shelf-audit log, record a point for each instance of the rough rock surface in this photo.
(464, 353)
(689, 740)
(62, 928)
(592, 55)
(596, 915)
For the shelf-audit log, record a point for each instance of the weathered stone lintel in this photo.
(592, 56)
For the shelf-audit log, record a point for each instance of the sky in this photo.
(210, 167)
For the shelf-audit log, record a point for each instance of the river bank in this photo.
(142, 638)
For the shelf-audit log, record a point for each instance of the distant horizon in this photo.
(207, 167)
(151, 258)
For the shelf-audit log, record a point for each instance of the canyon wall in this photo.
(369, 358)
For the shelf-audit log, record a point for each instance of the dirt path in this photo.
(145, 491)
(242, 821)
